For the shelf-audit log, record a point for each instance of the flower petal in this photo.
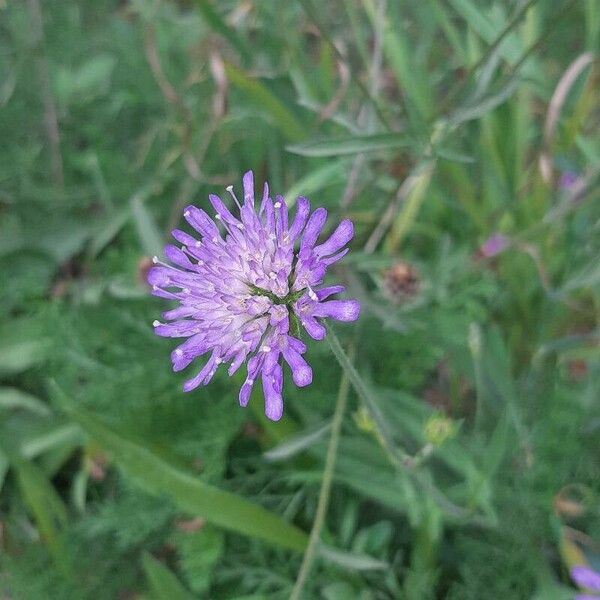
(272, 388)
(313, 229)
(301, 371)
(340, 310)
(302, 210)
(337, 240)
(248, 184)
(586, 578)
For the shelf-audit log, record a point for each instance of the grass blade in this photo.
(352, 145)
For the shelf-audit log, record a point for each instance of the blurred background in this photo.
(462, 138)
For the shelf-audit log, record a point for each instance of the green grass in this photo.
(468, 463)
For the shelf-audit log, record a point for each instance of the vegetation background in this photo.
(462, 137)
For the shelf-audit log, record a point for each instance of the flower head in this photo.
(587, 579)
(245, 290)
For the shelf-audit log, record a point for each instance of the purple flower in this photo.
(243, 297)
(494, 245)
(567, 180)
(588, 579)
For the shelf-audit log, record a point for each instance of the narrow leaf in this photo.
(352, 561)
(217, 24)
(190, 494)
(352, 145)
(13, 398)
(163, 582)
(282, 117)
(296, 444)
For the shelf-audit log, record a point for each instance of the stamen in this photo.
(229, 188)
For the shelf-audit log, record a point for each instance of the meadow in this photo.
(448, 445)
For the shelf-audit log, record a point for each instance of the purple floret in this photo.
(243, 296)
(586, 578)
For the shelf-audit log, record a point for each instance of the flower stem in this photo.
(399, 458)
(315, 533)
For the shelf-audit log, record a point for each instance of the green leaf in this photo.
(399, 50)
(217, 24)
(352, 144)
(283, 118)
(296, 444)
(46, 507)
(22, 345)
(149, 234)
(330, 173)
(4, 465)
(487, 103)
(351, 560)
(63, 436)
(12, 398)
(157, 476)
(163, 582)
(198, 553)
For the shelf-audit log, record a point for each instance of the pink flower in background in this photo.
(494, 245)
(567, 180)
(243, 297)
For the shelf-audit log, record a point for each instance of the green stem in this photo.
(315, 533)
(399, 458)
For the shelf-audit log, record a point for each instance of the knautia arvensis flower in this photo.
(245, 290)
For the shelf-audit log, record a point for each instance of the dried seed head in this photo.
(402, 282)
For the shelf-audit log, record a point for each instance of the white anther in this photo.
(155, 259)
(272, 275)
(249, 381)
(218, 361)
(178, 352)
(198, 244)
(215, 239)
(218, 217)
(200, 263)
(156, 323)
(239, 226)
(277, 204)
(186, 213)
(229, 188)
(266, 349)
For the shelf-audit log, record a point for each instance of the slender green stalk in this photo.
(315, 533)
(399, 458)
